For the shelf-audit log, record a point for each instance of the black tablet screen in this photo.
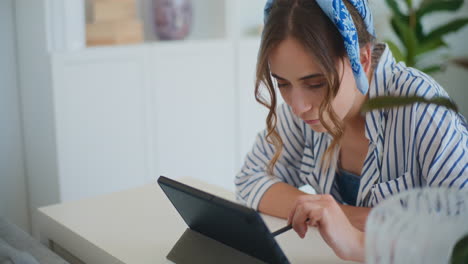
(232, 224)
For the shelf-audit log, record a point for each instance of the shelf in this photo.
(208, 19)
(177, 45)
(212, 20)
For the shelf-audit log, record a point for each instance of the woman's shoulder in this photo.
(397, 79)
(408, 81)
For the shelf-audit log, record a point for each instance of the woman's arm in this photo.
(441, 140)
(279, 200)
(356, 215)
(253, 180)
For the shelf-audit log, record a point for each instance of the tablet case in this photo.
(193, 246)
(216, 219)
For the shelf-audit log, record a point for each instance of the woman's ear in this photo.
(366, 57)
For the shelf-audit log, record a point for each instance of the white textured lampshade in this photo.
(418, 226)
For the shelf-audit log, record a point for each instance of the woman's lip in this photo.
(312, 122)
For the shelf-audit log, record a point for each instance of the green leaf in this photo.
(409, 4)
(394, 7)
(460, 252)
(438, 5)
(396, 30)
(405, 18)
(419, 29)
(387, 102)
(433, 69)
(396, 51)
(409, 39)
(447, 28)
(430, 45)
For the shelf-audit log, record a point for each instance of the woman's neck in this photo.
(355, 120)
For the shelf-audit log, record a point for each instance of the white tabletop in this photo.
(141, 226)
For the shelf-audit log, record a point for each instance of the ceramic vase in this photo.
(173, 18)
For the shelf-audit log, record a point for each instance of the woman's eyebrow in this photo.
(315, 75)
(278, 77)
(311, 76)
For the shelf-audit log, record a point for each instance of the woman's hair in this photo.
(305, 21)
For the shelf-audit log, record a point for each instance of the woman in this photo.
(321, 56)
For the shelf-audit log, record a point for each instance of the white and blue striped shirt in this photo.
(414, 146)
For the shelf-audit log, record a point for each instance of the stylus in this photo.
(282, 230)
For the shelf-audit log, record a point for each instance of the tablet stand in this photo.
(194, 248)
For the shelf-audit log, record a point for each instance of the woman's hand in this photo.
(323, 212)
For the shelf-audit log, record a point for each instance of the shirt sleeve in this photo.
(253, 180)
(442, 144)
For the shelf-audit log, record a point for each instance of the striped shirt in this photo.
(409, 147)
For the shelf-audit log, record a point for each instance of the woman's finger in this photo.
(300, 200)
(316, 214)
(312, 222)
(302, 214)
(293, 211)
(291, 214)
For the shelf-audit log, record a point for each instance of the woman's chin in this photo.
(318, 128)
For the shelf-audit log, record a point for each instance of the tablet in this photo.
(232, 224)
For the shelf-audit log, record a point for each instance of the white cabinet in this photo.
(125, 115)
(194, 91)
(103, 119)
(100, 121)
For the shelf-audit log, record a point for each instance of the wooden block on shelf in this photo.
(115, 32)
(113, 10)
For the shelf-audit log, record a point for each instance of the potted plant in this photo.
(416, 43)
(460, 252)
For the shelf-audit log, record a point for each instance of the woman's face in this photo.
(303, 86)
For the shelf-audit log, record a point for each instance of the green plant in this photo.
(416, 43)
(386, 102)
(460, 252)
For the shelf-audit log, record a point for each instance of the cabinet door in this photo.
(101, 119)
(195, 110)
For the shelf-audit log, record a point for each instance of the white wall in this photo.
(34, 75)
(13, 196)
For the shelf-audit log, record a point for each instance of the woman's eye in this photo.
(282, 85)
(316, 85)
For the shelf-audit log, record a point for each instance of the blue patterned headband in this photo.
(338, 13)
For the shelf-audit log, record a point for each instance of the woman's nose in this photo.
(299, 103)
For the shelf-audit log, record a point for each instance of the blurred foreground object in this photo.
(418, 226)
